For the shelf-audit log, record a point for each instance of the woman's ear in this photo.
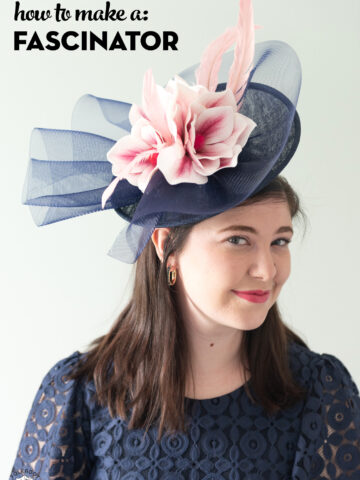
(158, 238)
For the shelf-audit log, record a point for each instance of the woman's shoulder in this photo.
(328, 441)
(57, 429)
(63, 365)
(56, 375)
(320, 369)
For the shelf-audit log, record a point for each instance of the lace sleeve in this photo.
(329, 443)
(55, 441)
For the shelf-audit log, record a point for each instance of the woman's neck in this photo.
(215, 366)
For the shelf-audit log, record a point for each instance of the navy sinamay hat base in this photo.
(68, 169)
(261, 99)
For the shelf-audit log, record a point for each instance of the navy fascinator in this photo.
(213, 136)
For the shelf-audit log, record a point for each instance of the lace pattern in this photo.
(54, 443)
(69, 436)
(331, 424)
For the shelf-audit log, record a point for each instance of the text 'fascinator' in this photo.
(213, 136)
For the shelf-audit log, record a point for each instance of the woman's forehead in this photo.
(265, 212)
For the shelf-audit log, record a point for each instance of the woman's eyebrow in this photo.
(246, 228)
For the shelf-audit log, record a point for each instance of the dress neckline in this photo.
(237, 391)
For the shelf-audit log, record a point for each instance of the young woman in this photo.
(235, 391)
(199, 377)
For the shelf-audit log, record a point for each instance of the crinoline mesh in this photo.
(68, 169)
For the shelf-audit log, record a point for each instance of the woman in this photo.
(259, 403)
(198, 377)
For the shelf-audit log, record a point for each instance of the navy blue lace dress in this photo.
(67, 436)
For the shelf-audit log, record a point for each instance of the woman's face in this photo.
(242, 249)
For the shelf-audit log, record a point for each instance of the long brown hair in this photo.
(140, 365)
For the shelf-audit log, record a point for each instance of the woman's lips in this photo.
(255, 296)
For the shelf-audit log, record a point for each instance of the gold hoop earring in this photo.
(171, 276)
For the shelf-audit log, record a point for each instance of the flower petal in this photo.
(136, 113)
(151, 136)
(216, 124)
(145, 177)
(183, 97)
(177, 167)
(155, 104)
(141, 162)
(109, 190)
(207, 166)
(246, 126)
(231, 162)
(124, 151)
(218, 99)
(216, 150)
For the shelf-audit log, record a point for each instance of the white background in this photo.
(60, 289)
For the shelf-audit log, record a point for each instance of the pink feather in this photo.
(244, 51)
(243, 36)
(207, 72)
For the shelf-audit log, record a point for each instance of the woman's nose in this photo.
(263, 265)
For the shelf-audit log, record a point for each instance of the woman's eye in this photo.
(284, 240)
(236, 239)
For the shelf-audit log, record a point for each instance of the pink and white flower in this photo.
(189, 132)
(185, 131)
